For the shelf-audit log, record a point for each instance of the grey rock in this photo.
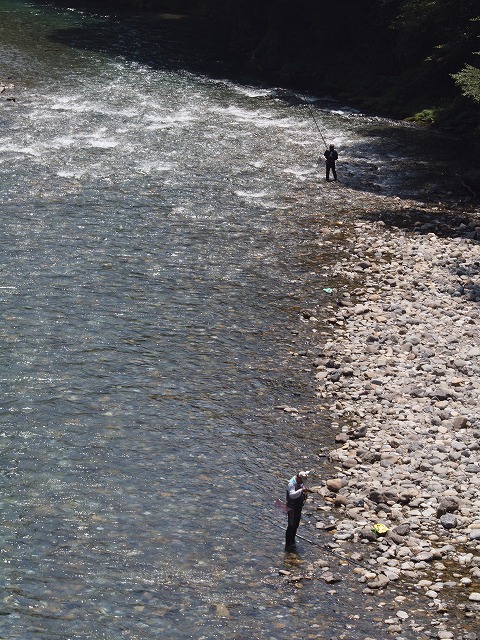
(472, 468)
(448, 521)
(394, 537)
(358, 433)
(341, 500)
(405, 497)
(447, 505)
(402, 529)
(377, 496)
(423, 556)
(441, 393)
(368, 457)
(379, 583)
(330, 578)
(460, 422)
(368, 534)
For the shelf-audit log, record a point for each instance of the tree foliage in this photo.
(468, 80)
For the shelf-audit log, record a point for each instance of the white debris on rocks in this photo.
(402, 373)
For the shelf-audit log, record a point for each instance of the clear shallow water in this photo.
(160, 233)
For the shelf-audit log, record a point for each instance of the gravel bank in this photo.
(402, 374)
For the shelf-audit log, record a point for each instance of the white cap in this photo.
(303, 474)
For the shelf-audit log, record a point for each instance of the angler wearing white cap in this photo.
(296, 496)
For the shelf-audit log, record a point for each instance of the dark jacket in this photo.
(330, 156)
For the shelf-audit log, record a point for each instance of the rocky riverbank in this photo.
(401, 372)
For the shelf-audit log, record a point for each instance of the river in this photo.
(161, 231)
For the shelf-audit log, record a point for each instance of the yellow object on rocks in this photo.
(379, 529)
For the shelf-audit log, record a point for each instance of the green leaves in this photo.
(468, 79)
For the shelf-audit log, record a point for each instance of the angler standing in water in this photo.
(296, 496)
(330, 156)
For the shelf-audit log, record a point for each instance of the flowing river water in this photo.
(161, 231)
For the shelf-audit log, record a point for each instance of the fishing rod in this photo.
(315, 121)
(325, 548)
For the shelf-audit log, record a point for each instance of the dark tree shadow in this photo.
(158, 40)
(410, 161)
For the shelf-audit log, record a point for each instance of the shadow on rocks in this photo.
(445, 224)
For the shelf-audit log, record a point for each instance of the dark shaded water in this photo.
(160, 233)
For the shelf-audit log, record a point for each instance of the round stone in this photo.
(448, 521)
(334, 484)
